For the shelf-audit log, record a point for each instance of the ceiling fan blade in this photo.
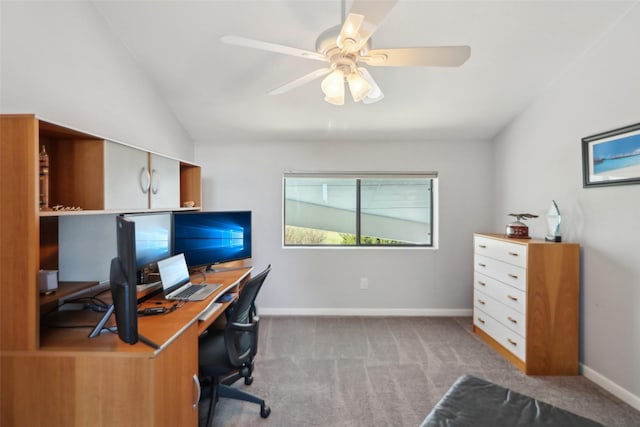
(272, 47)
(442, 56)
(301, 81)
(374, 12)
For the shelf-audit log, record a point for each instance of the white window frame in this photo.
(365, 175)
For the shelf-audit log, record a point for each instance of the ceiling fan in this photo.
(347, 47)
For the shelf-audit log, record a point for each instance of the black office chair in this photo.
(227, 355)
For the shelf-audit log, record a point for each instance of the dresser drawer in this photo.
(500, 312)
(511, 253)
(508, 295)
(502, 271)
(513, 342)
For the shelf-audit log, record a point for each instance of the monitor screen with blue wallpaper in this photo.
(153, 237)
(212, 237)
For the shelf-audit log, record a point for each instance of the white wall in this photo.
(538, 158)
(60, 61)
(248, 175)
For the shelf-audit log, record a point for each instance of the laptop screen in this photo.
(173, 272)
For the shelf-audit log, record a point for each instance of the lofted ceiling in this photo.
(219, 92)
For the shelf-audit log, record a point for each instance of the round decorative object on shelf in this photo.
(518, 229)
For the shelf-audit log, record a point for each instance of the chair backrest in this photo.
(241, 332)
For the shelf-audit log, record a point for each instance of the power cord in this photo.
(92, 303)
(150, 311)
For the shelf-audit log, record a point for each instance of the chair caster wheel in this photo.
(265, 411)
(248, 380)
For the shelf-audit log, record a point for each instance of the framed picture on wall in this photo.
(612, 158)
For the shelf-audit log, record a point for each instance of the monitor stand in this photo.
(210, 269)
(148, 342)
(99, 328)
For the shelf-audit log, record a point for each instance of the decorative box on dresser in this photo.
(526, 301)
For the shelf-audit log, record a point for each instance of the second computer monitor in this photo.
(212, 237)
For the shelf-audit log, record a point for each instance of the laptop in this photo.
(174, 275)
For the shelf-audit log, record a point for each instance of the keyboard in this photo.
(189, 291)
(208, 312)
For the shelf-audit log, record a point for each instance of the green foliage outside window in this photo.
(350, 239)
(300, 235)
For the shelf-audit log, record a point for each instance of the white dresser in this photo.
(526, 301)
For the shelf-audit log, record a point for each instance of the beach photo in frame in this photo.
(612, 158)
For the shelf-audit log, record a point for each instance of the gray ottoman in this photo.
(475, 402)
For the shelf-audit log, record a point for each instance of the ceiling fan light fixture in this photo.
(333, 87)
(372, 100)
(338, 100)
(333, 84)
(375, 94)
(358, 86)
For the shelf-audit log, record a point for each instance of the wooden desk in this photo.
(72, 380)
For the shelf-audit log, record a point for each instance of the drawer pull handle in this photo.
(481, 302)
(512, 320)
(482, 265)
(514, 254)
(512, 342)
(480, 320)
(483, 246)
(512, 298)
(481, 283)
(513, 276)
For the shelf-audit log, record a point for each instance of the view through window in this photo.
(359, 209)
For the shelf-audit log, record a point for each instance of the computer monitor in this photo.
(122, 280)
(152, 239)
(212, 237)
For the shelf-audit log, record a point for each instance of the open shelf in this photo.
(64, 290)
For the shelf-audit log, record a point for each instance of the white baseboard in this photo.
(377, 312)
(613, 388)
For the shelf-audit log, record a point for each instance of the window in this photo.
(359, 209)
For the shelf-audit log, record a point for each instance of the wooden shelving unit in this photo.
(30, 235)
(79, 381)
(64, 290)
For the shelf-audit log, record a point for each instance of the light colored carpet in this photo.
(387, 371)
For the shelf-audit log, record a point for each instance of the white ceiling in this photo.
(219, 92)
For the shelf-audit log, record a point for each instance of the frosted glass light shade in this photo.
(333, 88)
(333, 84)
(358, 86)
(375, 94)
(337, 100)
